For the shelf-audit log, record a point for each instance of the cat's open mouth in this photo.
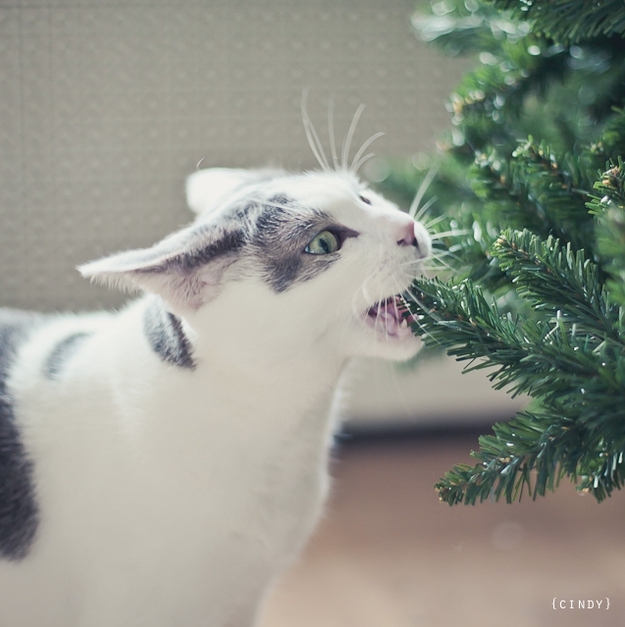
(390, 317)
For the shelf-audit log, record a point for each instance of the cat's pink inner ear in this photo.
(185, 269)
(181, 288)
(184, 290)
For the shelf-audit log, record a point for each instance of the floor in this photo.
(389, 554)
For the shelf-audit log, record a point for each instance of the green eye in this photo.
(323, 243)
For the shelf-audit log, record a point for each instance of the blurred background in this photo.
(105, 108)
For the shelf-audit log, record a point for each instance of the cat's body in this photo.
(162, 465)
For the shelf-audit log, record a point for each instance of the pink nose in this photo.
(407, 236)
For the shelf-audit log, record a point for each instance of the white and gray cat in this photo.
(160, 466)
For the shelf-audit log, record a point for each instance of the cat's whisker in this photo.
(356, 161)
(402, 295)
(434, 271)
(408, 296)
(437, 236)
(332, 136)
(362, 161)
(315, 145)
(347, 143)
(433, 263)
(414, 210)
(414, 263)
(434, 221)
(445, 253)
(425, 208)
(311, 135)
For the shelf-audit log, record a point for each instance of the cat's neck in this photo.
(252, 338)
(263, 380)
(253, 399)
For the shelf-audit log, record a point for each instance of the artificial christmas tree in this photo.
(528, 202)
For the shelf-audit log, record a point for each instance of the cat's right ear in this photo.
(208, 189)
(186, 268)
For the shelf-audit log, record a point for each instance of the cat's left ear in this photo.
(186, 268)
(208, 189)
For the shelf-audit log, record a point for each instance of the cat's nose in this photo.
(407, 235)
(411, 233)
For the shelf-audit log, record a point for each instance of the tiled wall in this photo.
(106, 106)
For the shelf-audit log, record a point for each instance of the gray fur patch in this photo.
(280, 239)
(61, 353)
(280, 199)
(230, 241)
(222, 241)
(19, 513)
(166, 336)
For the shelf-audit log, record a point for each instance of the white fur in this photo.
(176, 497)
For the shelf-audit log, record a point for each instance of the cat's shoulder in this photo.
(18, 508)
(15, 327)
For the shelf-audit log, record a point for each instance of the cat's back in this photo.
(15, 327)
(34, 350)
(18, 509)
(46, 364)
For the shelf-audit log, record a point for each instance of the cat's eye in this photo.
(365, 200)
(323, 243)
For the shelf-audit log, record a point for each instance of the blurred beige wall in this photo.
(106, 107)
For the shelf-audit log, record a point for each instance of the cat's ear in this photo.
(208, 189)
(186, 268)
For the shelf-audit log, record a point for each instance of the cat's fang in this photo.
(390, 321)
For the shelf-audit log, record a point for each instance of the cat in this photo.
(162, 465)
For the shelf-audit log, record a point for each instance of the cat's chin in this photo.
(389, 321)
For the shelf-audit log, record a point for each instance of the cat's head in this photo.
(287, 259)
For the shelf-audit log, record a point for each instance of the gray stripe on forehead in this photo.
(280, 237)
(166, 336)
(282, 200)
(19, 512)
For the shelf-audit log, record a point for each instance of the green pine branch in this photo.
(570, 358)
(464, 28)
(543, 358)
(558, 280)
(533, 453)
(608, 205)
(569, 21)
(535, 230)
(536, 190)
(611, 143)
(488, 105)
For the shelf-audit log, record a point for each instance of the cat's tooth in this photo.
(391, 323)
